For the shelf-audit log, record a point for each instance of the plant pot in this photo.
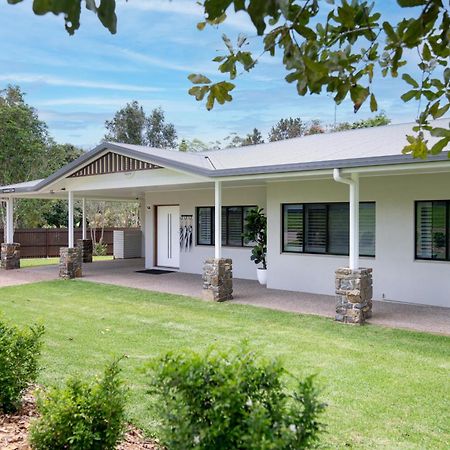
(262, 275)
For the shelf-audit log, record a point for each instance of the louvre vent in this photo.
(113, 163)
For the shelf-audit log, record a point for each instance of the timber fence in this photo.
(46, 242)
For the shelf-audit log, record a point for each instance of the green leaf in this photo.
(410, 80)
(373, 103)
(411, 3)
(407, 96)
(358, 95)
(198, 78)
(198, 92)
(439, 146)
(440, 132)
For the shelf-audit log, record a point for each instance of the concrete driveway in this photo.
(124, 273)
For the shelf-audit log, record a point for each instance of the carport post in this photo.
(70, 257)
(83, 225)
(9, 221)
(70, 231)
(10, 252)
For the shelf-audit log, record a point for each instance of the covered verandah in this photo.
(126, 273)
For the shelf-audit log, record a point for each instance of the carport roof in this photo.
(365, 147)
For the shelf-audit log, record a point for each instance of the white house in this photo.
(325, 196)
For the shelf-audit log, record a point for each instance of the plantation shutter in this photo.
(292, 228)
(367, 229)
(316, 228)
(205, 226)
(234, 226)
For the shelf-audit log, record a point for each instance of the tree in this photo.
(24, 139)
(195, 145)
(287, 129)
(333, 45)
(158, 133)
(130, 125)
(28, 152)
(253, 138)
(377, 121)
(315, 127)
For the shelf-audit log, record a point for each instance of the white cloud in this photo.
(162, 63)
(240, 21)
(58, 81)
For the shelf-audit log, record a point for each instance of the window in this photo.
(432, 230)
(233, 221)
(324, 228)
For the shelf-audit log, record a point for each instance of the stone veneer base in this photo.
(10, 256)
(353, 295)
(218, 279)
(70, 263)
(86, 249)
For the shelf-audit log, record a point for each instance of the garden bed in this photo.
(14, 430)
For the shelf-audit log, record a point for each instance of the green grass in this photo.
(34, 262)
(385, 388)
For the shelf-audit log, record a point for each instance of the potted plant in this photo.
(255, 231)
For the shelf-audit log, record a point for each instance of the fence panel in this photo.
(46, 242)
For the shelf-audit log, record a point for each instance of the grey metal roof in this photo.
(354, 148)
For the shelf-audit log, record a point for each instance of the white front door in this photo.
(168, 236)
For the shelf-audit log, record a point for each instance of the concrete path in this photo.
(123, 273)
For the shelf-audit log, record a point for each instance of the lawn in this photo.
(33, 262)
(385, 388)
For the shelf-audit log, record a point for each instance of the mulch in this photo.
(14, 430)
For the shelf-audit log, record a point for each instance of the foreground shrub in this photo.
(82, 415)
(232, 401)
(19, 354)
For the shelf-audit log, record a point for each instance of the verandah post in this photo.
(218, 271)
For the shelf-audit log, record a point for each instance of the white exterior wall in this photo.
(397, 276)
(192, 261)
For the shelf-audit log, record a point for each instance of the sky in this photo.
(77, 82)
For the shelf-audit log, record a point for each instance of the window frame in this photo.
(447, 228)
(327, 244)
(213, 221)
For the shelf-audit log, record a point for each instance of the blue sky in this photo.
(78, 82)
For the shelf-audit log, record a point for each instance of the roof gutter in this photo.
(353, 183)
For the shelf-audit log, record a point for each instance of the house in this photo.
(325, 196)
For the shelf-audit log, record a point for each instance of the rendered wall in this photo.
(396, 274)
(192, 261)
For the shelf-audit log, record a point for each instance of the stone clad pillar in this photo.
(86, 249)
(218, 279)
(353, 295)
(10, 256)
(70, 262)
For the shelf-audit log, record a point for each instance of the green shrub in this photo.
(19, 354)
(100, 249)
(82, 415)
(232, 401)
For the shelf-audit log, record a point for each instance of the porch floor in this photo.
(123, 273)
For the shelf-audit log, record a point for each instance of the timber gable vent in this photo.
(113, 163)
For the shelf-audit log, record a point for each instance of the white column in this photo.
(354, 223)
(10, 221)
(70, 221)
(83, 225)
(218, 219)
